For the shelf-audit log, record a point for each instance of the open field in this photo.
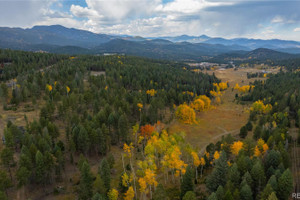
(227, 118)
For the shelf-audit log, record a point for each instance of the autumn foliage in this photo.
(260, 107)
(236, 147)
(186, 114)
(147, 130)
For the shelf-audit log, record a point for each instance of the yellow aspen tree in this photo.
(216, 155)
(113, 194)
(236, 147)
(196, 162)
(202, 163)
(186, 114)
(129, 195)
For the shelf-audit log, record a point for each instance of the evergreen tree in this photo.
(86, 181)
(246, 193)
(189, 196)
(272, 159)
(23, 175)
(123, 127)
(236, 195)
(243, 132)
(266, 192)
(272, 196)
(220, 192)
(40, 168)
(98, 196)
(258, 176)
(98, 185)
(234, 175)
(187, 182)
(212, 196)
(247, 177)
(216, 178)
(273, 182)
(104, 172)
(160, 193)
(5, 182)
(249, 126)
(285, 185)
(7, 159)
(228, 195)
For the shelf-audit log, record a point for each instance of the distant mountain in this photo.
(50, 35)
(59, 39)
(164, 49)
(258, 55)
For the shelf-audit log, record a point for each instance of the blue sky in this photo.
(263, 19)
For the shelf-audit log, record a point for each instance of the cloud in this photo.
(277, 19)
(297, 29)
(222, 18)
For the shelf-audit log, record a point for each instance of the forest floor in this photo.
(226, 118)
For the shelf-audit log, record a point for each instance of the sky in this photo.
(263, 19)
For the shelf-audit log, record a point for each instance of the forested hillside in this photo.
(97, 98)
(99, 127)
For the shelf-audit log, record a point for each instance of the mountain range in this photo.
(59, 39)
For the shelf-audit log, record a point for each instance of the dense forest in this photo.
(89, 106)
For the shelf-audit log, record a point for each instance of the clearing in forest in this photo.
(226, 118)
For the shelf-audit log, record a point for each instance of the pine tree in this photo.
(212, 196)
(216, 178)
(160, 193)
(40, 167)
(258, 176)
(123, 128)
(228, 196)
(272, 196)
(285, 185)
(7, 159)
(236, 195)
(23, 175)
(243, 132)
(3, 196)
(246, 193)
(98, 185)
(189, 196)
(234, 175)
(266, 192)
(220, 192)
(86, 181)
(5, 182)
(247, 177)
(104, 172)
(272, 159)
(187, 182)
(273, 182)
(98, 196)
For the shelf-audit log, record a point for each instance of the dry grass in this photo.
(227, 118)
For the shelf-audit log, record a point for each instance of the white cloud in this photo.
(277, 19)
(297, 29)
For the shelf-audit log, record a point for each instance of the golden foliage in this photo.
(261, 148)
(186, 114)
(129, 195)
(216, 155)
(49, 87)
(260, 107)
(113, 194)
(195, 159)
(236, 147)
(143, 185)
(151, 92)
(68, 89)
(198, 105)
